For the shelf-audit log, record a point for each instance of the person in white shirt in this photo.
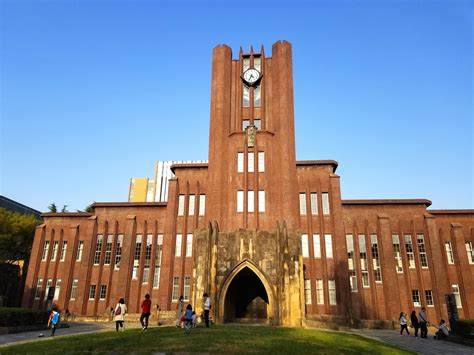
(207, 307)
(403, 323)
(119, 315)
(443, 331)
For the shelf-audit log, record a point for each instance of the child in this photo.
(403, 323)
(53, 320)
(443, 331)
(194, 317)
(188, 314)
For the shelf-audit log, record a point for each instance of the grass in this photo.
(227, 339)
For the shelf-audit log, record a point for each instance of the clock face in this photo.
(251, 76)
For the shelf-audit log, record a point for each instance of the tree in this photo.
(53, 208)
(64, 209)
(89, 208)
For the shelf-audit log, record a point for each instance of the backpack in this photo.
(55, 318)
(118, 311)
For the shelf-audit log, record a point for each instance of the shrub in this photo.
(464, 327)
(10, 317)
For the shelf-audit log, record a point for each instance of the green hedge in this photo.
(11, 317)
(465, 327)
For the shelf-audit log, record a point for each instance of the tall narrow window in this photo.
(136, 255)
(92, 292)
(302, 204)
(192, 200)
(257, 123)
(250, 201)
(39, 284)
(319, 292)
(202, 205)
(470, 252)
(307, 291)
(328, 242)
(350, 251)
(108, 249)
(240, 201)
(187, 288)
(422, 250)
(80, 249)
(316, 246)
(175, 290)
(118, 251)
(179, 240)
(363, 261)
(415, 294)
(332, 292)
(158, 254)
(146, 265)
(409, 250)
(257, 63)
(103, 292)
(250, 162)
(240, 162)
(429, 298)
(245, 124)
(57, 289)
(245, 95)
(457, 295)
(98, 249)
(49, 284)
(325, 198)
(54, 251)
(189, 245)
(261, 162)
(44, 256)
(257, 96)
(245, 64)
(304, 246)
(314, 203)
(449, 252)
(181, 205)
(63, 251)
(75, 282)
(261, 201)
(397, 253)
(376, 258)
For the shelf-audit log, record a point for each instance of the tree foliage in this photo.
(53, 208)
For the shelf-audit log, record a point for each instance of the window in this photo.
(63, 251)
(257, 63)
(179, 239)
(118, 251)
(175, 290)
(45, 251)
(108, 249)
(245, 124)
(314, 203)
(192, 200)
(246, 96)
(98, 249)
(353, 281)
(74, 289)
(316, 246)
(159, 252)
(136, 255)
(240, 162)
(80, 249)
(350, 251)
(202, 205)
(187, 288)
(470, 252)
(332, 292)
(39, 284)
(92, 292)
(261, 162)
(250, 201)
(304, 246)
(397, 253)
(429, 298)
(146, 266)
(240, 201)
(261, 201)
(307, 291)
(257, 96)
(319, 292)
(49, 283)
(422, 250)
(103, 292)
(250, 162)
(246, 64)
(363, 261)
(449, 252)
(328, 242)
(325, 198)
(181, 205)
(409, 250)
(57, 289)
(457, 295)
(302, 204)
(258, 124)
(376, 258)
(54, 252)
(189, 245)
(415, 294)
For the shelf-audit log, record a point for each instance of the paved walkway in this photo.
(421, 346)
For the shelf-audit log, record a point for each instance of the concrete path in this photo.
(427, 346)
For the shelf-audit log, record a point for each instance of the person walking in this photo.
(414, 322)
(403, 323)
(146, 308)
(423, 318)
(119, 315)
(53, 320)
(179, 311)
(207, 308)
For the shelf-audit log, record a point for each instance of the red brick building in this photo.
(266, 235)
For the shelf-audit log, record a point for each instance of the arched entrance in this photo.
(246, 296)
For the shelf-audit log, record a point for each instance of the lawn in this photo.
(229, 339)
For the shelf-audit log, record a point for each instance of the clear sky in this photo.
(93, 92)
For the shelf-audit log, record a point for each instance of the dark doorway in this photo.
(246, 299)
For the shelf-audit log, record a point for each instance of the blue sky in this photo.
(93, 92)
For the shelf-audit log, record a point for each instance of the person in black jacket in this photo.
(414, 322)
